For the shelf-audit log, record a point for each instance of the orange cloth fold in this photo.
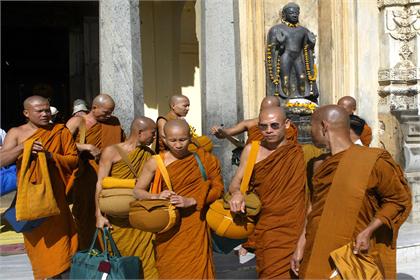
(366, 136)
(51, 246)
(100, 135)
(131, 241)
(387, 197)
(279, 180)
(185, 252)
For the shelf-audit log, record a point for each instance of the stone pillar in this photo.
(219, 51)
(398, 78)
(120, 57)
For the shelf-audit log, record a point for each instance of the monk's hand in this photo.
(362, 242)
(94, 151)
(37, 147)
(166, 194)
(182, 202)
(237, 202)
(101, 222)
(296, 260)
(215, 131)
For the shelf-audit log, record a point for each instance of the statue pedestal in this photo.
(303, 123)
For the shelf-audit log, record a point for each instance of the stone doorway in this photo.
(50, 49)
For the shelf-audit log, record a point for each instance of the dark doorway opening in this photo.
(46, 50)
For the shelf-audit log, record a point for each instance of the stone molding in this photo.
(387, 3)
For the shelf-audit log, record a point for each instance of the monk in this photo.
(184, 252)
(279, 181)
(93, 132)
(359, 197)
(130, 241)
(51, 245)
(251, 125)
(179, 106)
(349, 104)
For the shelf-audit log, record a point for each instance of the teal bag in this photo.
(93, 264)
(221, 245)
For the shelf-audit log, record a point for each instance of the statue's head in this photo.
(290, 12)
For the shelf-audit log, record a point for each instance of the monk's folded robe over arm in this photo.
(51, 246)
(279, 180)
(131, 241)
(101, 135)
(185, 252)
(387, 198)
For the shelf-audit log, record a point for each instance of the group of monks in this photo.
(313, 202)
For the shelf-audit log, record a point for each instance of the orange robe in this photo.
(387, 198)
(279, 180)
(254, 134)
(131, 241)
(100, 135)
(51, 246)
(366, 136)
(185, 251)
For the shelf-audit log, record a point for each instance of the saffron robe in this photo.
(185, 251)
(366, 136)
(387, 198)
(254, 134)
(131, 241)
(100, 135)
(51, 246)
(279, 180)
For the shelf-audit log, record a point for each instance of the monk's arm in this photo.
(105, 165)
(73, 124)
(11, 149)
(160, 124)
(144, 180)
(216, 180)
(237, 203)
(300, 246)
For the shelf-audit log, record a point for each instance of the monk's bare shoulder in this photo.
(110, 153)
(250, 123)
(150, 165)
(73, 123)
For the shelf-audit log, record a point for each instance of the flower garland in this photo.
(291, 25)
(311, 77)
(276, 80)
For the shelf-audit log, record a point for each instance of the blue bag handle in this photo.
(201, 166)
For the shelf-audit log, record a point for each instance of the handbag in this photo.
(234, 225)
(351, 266)
(94, 264)
(34, 200)
(155, 215)
(20, 226)
(8, 179)
(117, 193)
(221, 245)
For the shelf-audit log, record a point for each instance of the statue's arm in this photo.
(310, 39)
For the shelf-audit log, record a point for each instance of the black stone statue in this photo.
(291, 71)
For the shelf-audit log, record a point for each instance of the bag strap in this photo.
(95, 236)
(255, 145)
(163, 171)
(201, 166)
(82, 131)
(125, 158)
(107, 235)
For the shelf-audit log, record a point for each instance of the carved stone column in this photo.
(398, 78)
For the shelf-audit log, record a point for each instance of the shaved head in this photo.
(178, 126)
(35, 99)
(177, 98)
(269, 112)
(103, 99)
(348, 103)
(142, 123)
(336, 117)
(269, 101)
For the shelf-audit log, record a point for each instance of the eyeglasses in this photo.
(263, 126)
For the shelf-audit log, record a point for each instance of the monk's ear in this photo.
(324, 127)
(26, 113)
(287, 124)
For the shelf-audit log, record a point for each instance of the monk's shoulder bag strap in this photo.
(125, 158)
(82, 131)
(201, 166)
